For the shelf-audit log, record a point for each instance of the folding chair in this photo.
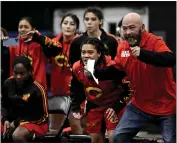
(57, 105)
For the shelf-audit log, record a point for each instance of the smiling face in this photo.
(68, 26)
(89, 51)
(23, 28)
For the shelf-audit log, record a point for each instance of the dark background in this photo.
(162, 15)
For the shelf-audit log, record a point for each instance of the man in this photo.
(147, 61)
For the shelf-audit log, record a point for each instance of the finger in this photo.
(108, 110)
(111, 115)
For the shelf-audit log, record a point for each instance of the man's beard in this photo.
(134, 40)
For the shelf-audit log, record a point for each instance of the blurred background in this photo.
(159, 17)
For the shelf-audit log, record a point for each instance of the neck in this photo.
(68, 38)
(95, 33)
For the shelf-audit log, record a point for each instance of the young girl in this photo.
(105, 100)
(24, 104)
(27, 47)
(93, 21)
(57, 50)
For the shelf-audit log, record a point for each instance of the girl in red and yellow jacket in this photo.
(57, 51)
(27, 47)
(105, 100)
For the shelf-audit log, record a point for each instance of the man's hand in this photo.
(135, 51)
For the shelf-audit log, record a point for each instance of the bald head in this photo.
(132, 19)
(132, 27)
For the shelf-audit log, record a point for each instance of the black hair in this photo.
(73, 16)
(96, 11)
(120, 22)
(23, 60)
(30, 20)
(99, 46)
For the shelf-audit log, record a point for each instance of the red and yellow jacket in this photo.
(108, 92)
(33, 51)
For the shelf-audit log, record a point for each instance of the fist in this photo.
(135, 51)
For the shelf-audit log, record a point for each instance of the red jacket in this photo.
(154, 87)
(106, 92)
(60, 69)
(34, 52)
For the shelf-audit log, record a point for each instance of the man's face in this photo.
(132, 33)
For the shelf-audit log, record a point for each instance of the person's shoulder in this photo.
(112, 37)
(8, 81)
(76, 66)
(37, 86)
(77, 39)
(109, 61)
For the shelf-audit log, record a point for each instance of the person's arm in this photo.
(5, 104)
(50, 47)
(108, 73)
(159, 59)
(75, 52)
(39, 100)
(77, 94)
(161, 56)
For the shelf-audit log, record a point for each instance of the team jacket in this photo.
(108, 40)
(150, 74)
(57, 50)
(33, 51)
(109, 92)
(26, 105)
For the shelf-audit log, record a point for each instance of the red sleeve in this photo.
(117, 59)
(160, 46)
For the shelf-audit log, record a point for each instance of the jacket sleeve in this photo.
(113, 48)
(74, 53)
(108, 73)
(5, 105)
(77, 94)
(50, 47)
(159, 59)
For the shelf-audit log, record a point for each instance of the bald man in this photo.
(148, 63)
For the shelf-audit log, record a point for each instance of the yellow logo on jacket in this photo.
(26, 97)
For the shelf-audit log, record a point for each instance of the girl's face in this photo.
(68, 26)
(20, 73)
(89, 52)
(91, 22)
(23, 28)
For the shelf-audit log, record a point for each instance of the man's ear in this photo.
(143, 27)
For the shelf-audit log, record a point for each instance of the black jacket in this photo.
(28, 104)
(107, 39)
